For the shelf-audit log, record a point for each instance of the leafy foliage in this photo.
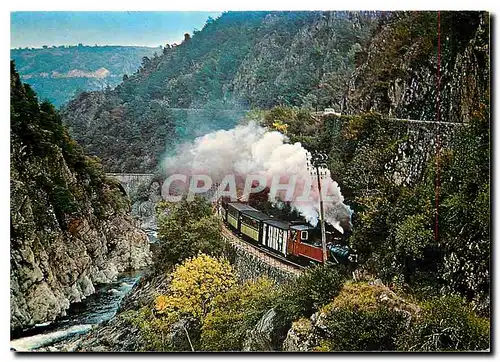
(314, 288)
(362, 330)
(447, 324)
(356, 320)
(195, 284)
(51, 169)
(465, 213)
(186, 229)
(392, 190)
(174, 321)
(371, 317)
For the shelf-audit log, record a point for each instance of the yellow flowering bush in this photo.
(195, 284)
(280, 126)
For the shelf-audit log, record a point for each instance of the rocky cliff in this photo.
(70, 227)
(398, 72)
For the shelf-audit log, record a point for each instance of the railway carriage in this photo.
(252, 224)
(302, 244)
(275, 235)
(233, 214)
(290, 239)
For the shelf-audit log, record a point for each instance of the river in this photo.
(81, 317)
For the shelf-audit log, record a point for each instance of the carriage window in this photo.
(250, 222)
(304, 235)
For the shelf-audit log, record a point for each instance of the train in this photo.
(294, 240)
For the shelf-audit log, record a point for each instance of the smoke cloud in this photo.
(252, 150)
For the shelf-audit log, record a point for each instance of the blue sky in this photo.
(150, 28)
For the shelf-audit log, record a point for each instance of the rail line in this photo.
(265, 255)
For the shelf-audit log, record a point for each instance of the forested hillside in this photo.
(393, 173)
(58, 74)
(239, 61)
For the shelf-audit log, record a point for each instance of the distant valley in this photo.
(58, 74)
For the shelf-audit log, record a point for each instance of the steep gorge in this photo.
(397, 80)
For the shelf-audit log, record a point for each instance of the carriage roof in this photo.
(239, 206)
(301, 227)
(255, 214)
(278, 224)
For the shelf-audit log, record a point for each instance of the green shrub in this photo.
(153, 331)
(234, 313)
(353, 329)
(186, 229)
(357, 320)
(447, 324)
(316, 287)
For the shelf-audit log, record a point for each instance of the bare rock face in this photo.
(56, 258)
(144, 198)
(69, 224)
(260, 338)
(298, 337)
(50, 270)
(405, 86)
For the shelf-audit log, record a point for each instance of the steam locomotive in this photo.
(293, 240)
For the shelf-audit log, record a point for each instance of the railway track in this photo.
(265, 255)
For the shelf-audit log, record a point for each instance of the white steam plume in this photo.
(251, 150)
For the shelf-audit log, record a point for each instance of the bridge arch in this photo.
(129, 182)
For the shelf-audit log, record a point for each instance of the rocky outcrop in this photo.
(116, 335)
(298, 338)
(121, 335)
(70, 225)
(399, 73)
(306, 334)
(261, 337)
(52, 268)
(145, 196)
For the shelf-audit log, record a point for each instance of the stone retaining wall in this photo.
(251, 266)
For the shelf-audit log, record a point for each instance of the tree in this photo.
(465, 212)
(446, 323)
(185, 229)
(195, 284)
